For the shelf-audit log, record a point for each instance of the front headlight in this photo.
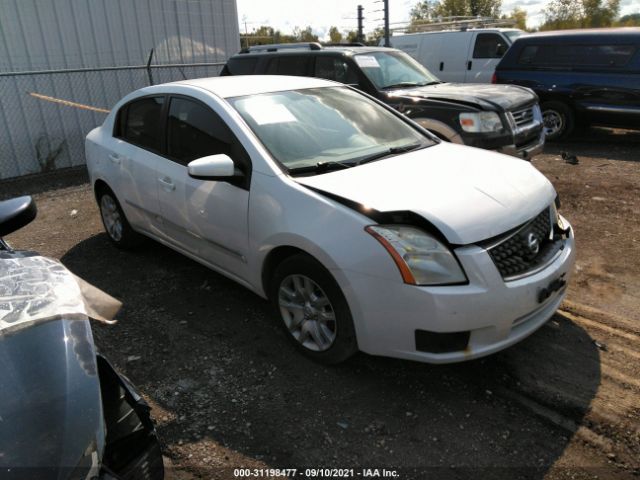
(421, 258)
(556, 218)
(480, 122)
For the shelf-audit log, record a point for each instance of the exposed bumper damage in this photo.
(132, 449)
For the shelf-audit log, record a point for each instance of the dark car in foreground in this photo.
(65, 412)
(494, 117)
(583, 77)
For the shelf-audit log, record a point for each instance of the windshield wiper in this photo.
(391, 151)
(402, 84)
(410, 84)
(320, 167)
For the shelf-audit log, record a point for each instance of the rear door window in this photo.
(489, 45)
(140, 123)
(576, 55)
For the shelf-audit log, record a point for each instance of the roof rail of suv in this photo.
(344, 44)
(275, 47)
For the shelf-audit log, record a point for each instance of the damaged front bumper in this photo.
(525, 151)
(132, 449)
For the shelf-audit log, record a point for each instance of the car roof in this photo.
(593, 34)
(237, 86)
(454, 30)
(347, 49)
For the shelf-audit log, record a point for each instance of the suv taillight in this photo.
(494, 78)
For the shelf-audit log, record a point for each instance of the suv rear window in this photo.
(576, 55)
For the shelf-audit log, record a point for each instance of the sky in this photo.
(284, 15)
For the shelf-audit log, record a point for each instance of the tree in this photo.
(485, 8)
(632, 20)
(598, 13)
(431, 10)
(335, 35)
(351, 36)
(304, 35)
(520, 17)
(475, 8)
(562, 14)
(373, 38)
(424, 10)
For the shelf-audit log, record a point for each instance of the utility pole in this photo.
(360, 27)
(386, 24)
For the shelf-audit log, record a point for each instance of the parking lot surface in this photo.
(228, 390)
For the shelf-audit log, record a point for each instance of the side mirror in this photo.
(213, 167)
(16, 213)
(501, 49)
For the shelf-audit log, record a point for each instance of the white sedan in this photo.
(365, 231)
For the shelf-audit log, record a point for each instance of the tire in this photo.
(115, 222)
(559, 120)
(313, 310)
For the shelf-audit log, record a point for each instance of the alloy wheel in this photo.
(111, 217)
(307, 312)
(553, 122)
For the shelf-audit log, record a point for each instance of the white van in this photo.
(464, 56)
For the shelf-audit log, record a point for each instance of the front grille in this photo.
(529, 247)
(522, 117)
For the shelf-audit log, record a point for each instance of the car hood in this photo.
(50, 401)
(51, 413)
(467, 193)
(486, 96)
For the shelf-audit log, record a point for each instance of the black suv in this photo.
(495, 117)
(583, 77)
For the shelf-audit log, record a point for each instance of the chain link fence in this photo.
(45, 115)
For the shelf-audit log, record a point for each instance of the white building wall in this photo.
(37, 35)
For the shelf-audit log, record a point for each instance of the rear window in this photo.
(576, 55)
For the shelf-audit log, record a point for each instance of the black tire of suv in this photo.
(345, 344)
(565, 113)
(130, 238)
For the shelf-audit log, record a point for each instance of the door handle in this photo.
(469, 65)
(114, 158)
(441, 65)
(167, 184)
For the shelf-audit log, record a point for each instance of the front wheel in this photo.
(313, 310)
(558, 120)
(115, 223)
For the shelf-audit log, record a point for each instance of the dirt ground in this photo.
(229, 391)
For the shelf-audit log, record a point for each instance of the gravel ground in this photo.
(229, 391)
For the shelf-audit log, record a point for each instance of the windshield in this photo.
(330, 125)
(393, 69)
(513, 35)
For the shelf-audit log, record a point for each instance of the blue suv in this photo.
(583, 77)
